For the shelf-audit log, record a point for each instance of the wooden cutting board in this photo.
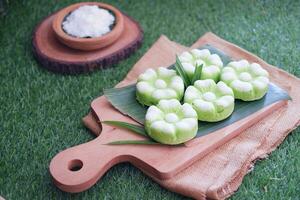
(78, 168)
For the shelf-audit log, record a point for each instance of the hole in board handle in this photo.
(75, 165)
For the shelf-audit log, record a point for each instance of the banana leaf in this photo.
(124, 100)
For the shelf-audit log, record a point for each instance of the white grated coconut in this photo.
(88, 21)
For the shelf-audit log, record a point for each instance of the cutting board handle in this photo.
(78, 168)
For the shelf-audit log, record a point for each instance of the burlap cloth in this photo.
(220, 173)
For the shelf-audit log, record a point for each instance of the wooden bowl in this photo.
(88, 44)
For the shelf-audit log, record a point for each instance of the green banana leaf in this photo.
(124, 100)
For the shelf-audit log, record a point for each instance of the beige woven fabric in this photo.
(220, 173)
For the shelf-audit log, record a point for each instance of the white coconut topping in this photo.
(245, 76)
(254, 67)
(200, 53)
(191, 93)
(171, 117)
(164, 94)
(185, 57)
(177, 79)
(259, 85)
(241, 86)
(159, 94)
(225, 101)
(154, 114)
(188, 67)
(144, 87)
(148, 75)
(88, 21)
(224, 89)
(228, 76)
(209, 96)
(188, 111)
(204, 105)
(171, 93)
(212, 69)
(186, 124)
(168, 105)
(228, 69)
(164, 127)
(258, 70)
(196, 53)
(201, 84)
(159, 83)
(215, 60)
(164, 72)
(240, 66)
(177, 83)
(233, 64)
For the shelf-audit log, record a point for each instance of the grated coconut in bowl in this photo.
(88, 21)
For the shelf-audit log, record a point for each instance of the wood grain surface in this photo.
(57, 57)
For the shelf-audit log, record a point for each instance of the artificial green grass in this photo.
(41, 112)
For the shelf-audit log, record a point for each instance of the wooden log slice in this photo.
(57, 57)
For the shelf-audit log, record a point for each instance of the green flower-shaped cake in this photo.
(171, 123)
(155, 85)
(248, 81)
(212, 63)
(212, 102)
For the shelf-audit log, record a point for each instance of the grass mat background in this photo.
(41, 112)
